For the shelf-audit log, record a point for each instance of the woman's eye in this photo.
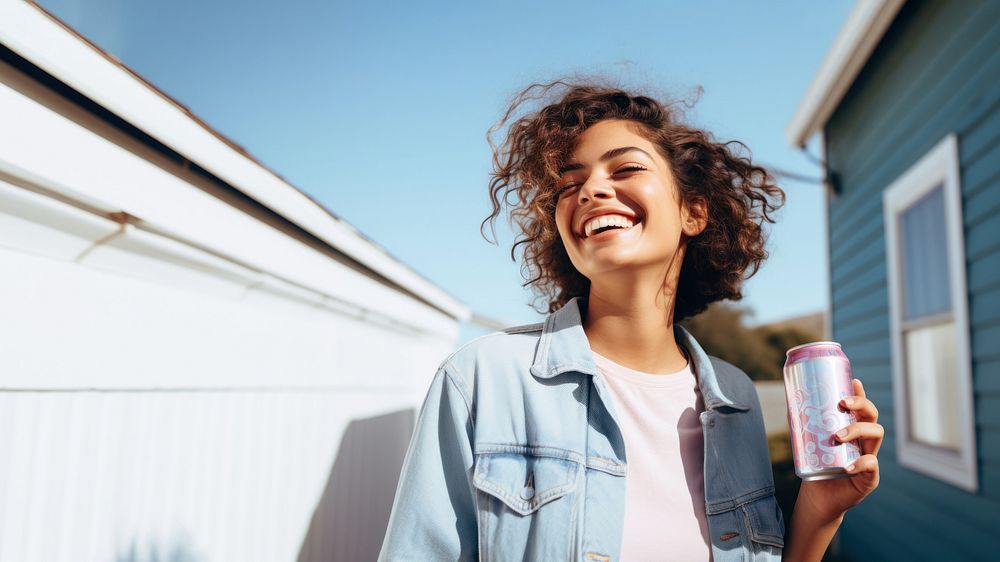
(632, 168)
(566, 188)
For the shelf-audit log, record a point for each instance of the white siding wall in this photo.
(167, 400)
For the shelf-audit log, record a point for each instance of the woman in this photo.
(607, 433)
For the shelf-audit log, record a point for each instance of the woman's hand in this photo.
(829, 499)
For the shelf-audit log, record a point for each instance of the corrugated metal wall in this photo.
(162, 400)
(144, 475)
(231, 465)
(935, 72)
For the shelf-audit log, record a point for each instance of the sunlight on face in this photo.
(619, 209)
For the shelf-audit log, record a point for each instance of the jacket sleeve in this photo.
(434, 513)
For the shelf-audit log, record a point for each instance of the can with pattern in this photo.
(817, 377)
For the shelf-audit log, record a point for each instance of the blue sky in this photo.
(378, 110)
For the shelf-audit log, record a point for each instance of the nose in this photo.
(594, 189)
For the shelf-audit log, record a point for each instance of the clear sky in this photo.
(378, 110)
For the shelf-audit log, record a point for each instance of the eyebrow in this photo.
(605, 157)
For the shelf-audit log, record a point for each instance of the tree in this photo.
(760, 351)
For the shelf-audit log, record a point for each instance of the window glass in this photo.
(929, 318)
(932, 387)
(925, 257)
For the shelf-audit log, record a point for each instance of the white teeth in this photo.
(607, 220)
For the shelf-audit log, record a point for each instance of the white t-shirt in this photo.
(659, 416)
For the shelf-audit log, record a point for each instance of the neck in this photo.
(634, 327)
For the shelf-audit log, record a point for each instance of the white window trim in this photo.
(940, 166)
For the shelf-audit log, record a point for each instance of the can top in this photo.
(812, 344)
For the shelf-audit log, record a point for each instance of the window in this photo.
(928, 318)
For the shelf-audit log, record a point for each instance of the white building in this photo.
(197, 361)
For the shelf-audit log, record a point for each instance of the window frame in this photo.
(939, 167)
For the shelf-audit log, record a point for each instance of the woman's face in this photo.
(620, 207)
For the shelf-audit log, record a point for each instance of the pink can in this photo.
(817, 377)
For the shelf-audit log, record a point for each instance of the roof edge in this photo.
(862, 31)
(39, 37)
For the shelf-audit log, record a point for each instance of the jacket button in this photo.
(527, 493)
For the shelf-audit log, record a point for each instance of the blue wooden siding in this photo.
(937, 71)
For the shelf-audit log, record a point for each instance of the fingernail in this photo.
(842, 433)
(848, 401)
(850, 468)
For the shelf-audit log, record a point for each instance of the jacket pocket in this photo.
(524, 482)
(764, 521)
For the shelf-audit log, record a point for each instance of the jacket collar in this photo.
(564, 347)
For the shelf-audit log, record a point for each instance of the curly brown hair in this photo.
(739, 196)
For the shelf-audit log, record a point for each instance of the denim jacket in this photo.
(517, 455)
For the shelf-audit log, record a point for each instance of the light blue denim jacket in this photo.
(517, 455)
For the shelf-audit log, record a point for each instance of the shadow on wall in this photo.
(177, 550)
(350, 521)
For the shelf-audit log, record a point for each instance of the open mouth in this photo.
(608, 223)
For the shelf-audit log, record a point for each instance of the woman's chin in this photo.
(606, 262)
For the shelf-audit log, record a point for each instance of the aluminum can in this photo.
(817, 377)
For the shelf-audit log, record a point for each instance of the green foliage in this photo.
(759, 351)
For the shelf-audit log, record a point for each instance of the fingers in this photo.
(859, 388)
(866, 467)
(870, 434)
(863, 408)
(865, 463)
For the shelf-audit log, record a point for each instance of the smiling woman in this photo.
(607, 433)
(534, 167)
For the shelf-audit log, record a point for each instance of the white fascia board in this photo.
(34, 35)
(864, 28)
(54, 154)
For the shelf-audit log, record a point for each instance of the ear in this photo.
(694, 217)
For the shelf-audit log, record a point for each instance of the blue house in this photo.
(906, 106)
